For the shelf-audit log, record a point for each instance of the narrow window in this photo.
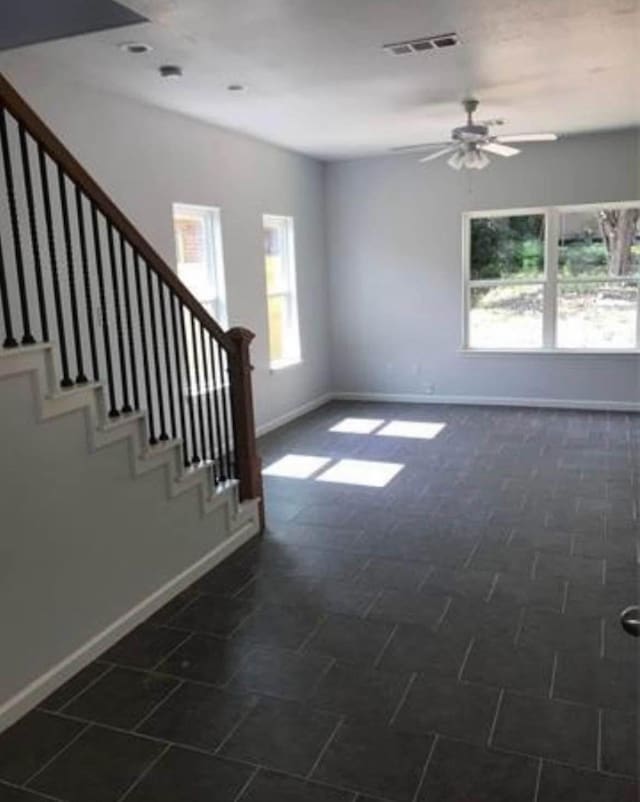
(200, 266)
(199, 256)
(282, 302)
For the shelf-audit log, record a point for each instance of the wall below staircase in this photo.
(87, 549)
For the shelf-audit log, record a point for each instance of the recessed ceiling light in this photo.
(170, 71)
(236, 88)
(137, 48)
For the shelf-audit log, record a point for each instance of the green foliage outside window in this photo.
(507, 247)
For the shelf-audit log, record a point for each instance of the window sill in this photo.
(547, 351)
(285, 364)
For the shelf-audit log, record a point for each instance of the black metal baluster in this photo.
(126, 406)
(154, 342)
(82, 234)
(145, 352)
(27, 337)
(194, 456)
(208, 390)
(167, 357)
(215, 390)
(55, 279)
(127, 309)
(66, 228)
(225, 412)
(179, 377)
(33, 228)
(113, 411)
(203, 447)
(9, 340)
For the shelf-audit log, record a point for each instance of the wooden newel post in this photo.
(244, 428)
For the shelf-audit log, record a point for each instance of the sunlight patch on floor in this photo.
(357, 425)
(296, 466)
(420, 430)
(361, 472)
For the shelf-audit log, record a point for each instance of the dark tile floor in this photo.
(451, 636)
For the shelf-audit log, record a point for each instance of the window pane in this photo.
(277, 306)
(597, 315)
(284, 336)
(190, 238)
(507, 247)
(275, 259)
(199, 256)
(509, 316)
(599, 243)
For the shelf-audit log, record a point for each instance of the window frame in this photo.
(289, 292)
(213, 243)
(548, 280)
(214, 246)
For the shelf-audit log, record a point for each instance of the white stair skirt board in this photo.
(240, 520)
(551, 403)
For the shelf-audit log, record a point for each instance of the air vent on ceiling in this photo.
(415, 46)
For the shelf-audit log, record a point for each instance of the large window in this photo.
(561, 278)
(282, 302)
(199, 256)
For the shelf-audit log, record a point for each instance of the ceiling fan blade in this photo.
(420, 146)
(526, 137)
(437, 154)
(498, 149)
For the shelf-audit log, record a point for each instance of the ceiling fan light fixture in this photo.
(457, 160)
(470, 143)
(477, 159)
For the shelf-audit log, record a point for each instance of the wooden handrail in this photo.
(235, 342)
(41, 132)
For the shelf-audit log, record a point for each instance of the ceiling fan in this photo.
(470, 143)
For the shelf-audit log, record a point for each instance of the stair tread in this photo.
(161, 447)
(124, 417)
(66, 392)
(25, 349)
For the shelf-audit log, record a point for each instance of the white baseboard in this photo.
(468, 400)
(298, 412)
(553, 403)
(461, 400)
(34, 693)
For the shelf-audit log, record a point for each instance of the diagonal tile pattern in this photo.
(450, 635)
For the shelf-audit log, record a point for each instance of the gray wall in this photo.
(82, 540)
(395, 254)
(147, 159)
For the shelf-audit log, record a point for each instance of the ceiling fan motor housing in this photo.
(470, 133)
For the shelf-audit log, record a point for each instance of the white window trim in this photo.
(548, 280)
(214, 221)
(291, 292)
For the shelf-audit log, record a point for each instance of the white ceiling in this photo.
(318, 81)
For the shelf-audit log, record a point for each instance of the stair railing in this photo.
(75, 271)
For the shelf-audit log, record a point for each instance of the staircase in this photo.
(102, 326)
